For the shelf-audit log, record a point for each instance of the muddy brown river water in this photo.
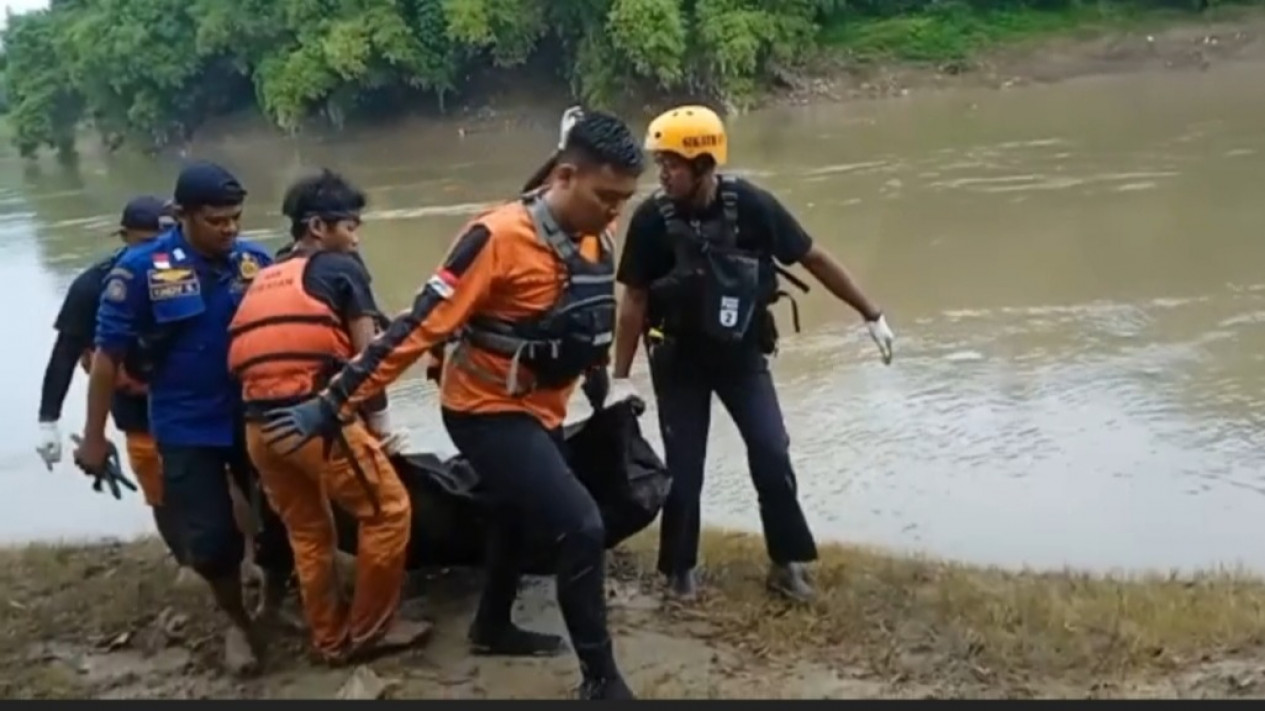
(1075, 273)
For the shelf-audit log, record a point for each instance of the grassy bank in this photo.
(952, 32)
(72, 617)
(901, 616)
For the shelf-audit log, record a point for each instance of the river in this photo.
(1073, 272)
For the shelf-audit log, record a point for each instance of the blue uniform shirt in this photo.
(177, 305)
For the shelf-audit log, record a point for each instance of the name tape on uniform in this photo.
(166, 284)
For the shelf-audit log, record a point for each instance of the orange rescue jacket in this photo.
(284, 343)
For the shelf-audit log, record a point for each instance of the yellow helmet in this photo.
(690, 131)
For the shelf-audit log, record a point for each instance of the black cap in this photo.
(205, 183)
(146, 212)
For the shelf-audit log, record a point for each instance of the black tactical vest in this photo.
(717, 288)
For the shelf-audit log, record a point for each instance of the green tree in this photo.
(153, 71)
(46, 103)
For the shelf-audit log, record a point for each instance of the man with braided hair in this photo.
(528, 292)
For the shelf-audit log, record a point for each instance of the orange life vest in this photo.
(284, 343)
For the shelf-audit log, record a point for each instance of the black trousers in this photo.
(524, 469)
(683, 385)
(195, 486)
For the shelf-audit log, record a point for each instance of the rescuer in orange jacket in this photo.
(299, 322)
(528, 292)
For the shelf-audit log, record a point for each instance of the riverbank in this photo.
(106, 621)
(854, 53)
(897, 56)
(887, 59)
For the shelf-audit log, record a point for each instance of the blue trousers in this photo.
(195, 486)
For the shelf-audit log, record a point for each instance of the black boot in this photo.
(514, 641)
(606, 689)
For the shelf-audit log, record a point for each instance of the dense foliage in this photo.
(153, 70)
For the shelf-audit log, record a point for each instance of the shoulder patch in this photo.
(119, 273)
(247, 266)
(116, 289)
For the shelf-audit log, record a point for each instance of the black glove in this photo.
(298, 424)
(597, 386)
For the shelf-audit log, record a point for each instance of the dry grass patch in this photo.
(906, 616)
(898, 625)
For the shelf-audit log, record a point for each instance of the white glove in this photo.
(379, 422)
(622, 389)
(569, 118)
(49, 447)
(395, 443)
(883, 336)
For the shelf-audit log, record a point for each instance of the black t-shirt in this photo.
(341, 281)
(77, 323)
(764, 226)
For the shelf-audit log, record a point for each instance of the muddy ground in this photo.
(108, 622)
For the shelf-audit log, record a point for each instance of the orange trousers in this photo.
(300, 487)
(142, 454)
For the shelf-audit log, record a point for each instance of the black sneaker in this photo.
(514, 641)
(791, 582)
(612, 689)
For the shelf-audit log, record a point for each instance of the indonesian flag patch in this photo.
(443, 283)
